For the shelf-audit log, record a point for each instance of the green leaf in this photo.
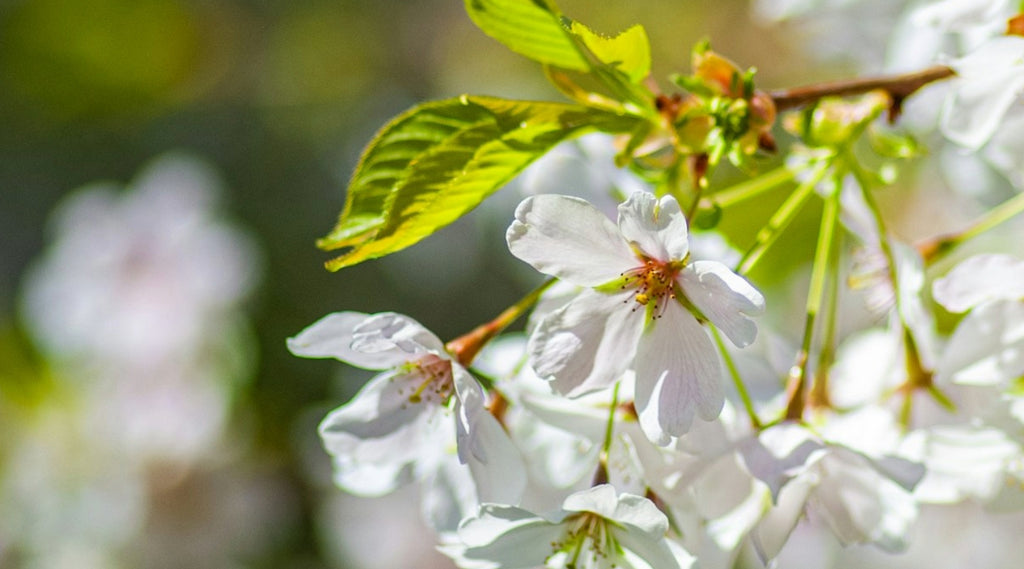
(529, 27)
(573, 85)
(383, 164)
(628, 52)
(438, 161)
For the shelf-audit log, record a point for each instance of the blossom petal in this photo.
(587, 344)
(469, 405)
(987, 347)
(379, 424)
(979, 279)
(677, 374)
(778, 454)
(990, 79)
(507, 537)
(648, 551)
(568, 238)
(501, 478)
(601, 500)
(370, 480)
(387, 331)
(860, 504)
(640, 513)
(775, 527)
(725, 298)
(331, 337)
(448, 495)
(656, 227)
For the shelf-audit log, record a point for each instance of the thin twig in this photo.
(899, 87)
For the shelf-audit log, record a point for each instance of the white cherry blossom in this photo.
(402, 423)
(846, 474)
(596, 528)
(637, 308)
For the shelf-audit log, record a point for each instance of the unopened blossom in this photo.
(403, 422)
(596, 528)
(641, 308)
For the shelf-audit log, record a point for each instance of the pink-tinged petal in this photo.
(568, 238)
(725, 298)
(388, 332)
(331, 337)
(979, 279)
(656, 227)
(677, 375)
(587, 344)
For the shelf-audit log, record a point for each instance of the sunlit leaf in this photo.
(628, 52)
(572, 85)
(529, 27)
(436, 162)
(383, 164)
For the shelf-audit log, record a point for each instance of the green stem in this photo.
(737, 381)
(819, 391)
(935, 249)
(753, 187)
(779, 221)
(610, 426)
(797, 386)
(601, 474)
(466, 347)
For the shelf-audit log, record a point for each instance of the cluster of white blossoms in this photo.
(608, 435)
(646, 419)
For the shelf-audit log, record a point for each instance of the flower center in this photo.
(653, 284)
(587, 531)
(431, 378)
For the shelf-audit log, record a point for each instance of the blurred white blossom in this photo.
(138, 306)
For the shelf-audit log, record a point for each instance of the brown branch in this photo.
(899, 87)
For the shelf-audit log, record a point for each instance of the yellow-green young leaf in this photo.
(529, 27)
(629, 52)
(571, 84)
(473, 146)
(383, 165)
